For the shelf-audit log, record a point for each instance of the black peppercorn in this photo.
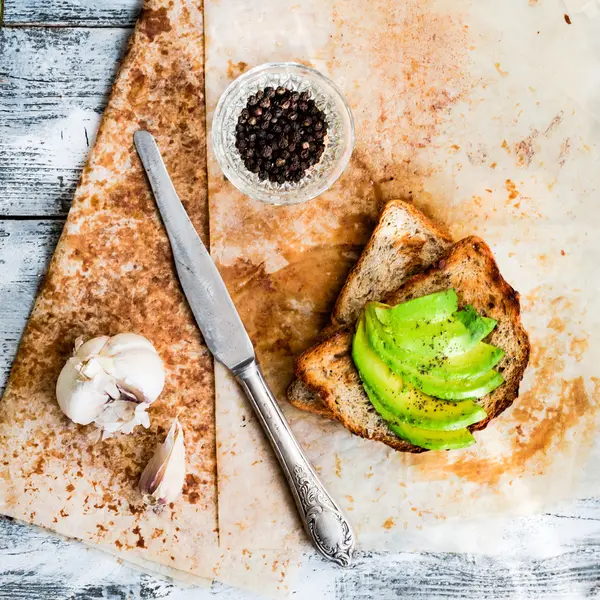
(279, 134)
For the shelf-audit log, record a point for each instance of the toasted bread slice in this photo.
(403, 243)
(471, 270)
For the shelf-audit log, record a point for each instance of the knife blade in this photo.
(228, 341)
(202, 284)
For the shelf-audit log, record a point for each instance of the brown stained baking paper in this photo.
(486, 116)
(112, 272)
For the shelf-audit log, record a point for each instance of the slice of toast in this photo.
(403, 243)
(471, 270)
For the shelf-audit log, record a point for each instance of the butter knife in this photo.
(229, 343)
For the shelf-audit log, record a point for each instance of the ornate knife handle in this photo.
(323, 519)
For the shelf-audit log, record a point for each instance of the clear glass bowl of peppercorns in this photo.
(283, 133)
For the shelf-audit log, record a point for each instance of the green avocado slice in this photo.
(469, 375)
(419, 326)
(477, 361)
(471, 364)
(434, 440)
(406, 403)
(417, 341)
(424, 438)
(433, 308)
(480, 327)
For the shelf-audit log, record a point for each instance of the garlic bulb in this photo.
(111, 382)
(164, 476)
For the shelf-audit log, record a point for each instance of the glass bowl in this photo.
(339, 140)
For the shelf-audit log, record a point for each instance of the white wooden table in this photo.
(57, 62)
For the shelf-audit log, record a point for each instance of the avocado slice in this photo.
(477, 361)
(480, 327)
(432, 308)
(438, 377)
(405, 402)
(471, 364)
(424, 438)
(417, 341)
(434, 440)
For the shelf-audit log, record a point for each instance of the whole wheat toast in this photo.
(471, 270)
(403, 243)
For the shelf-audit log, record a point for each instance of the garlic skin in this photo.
(111, 382)
(163, 478)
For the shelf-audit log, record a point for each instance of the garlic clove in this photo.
(91, 369)
(163, 478)
(140, 369)
(79, 400)
(127, 341)
(130, 358)
(91, 347)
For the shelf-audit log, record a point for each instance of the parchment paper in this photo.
(112, 272)
(486, 115)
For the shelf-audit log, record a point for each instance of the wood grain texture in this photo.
(56, 570)
(25, 251)
(54, 84)
(108, 13)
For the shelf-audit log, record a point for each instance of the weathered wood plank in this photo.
(25, 251)
(30, 558)
(89, 13)
(54, 84)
